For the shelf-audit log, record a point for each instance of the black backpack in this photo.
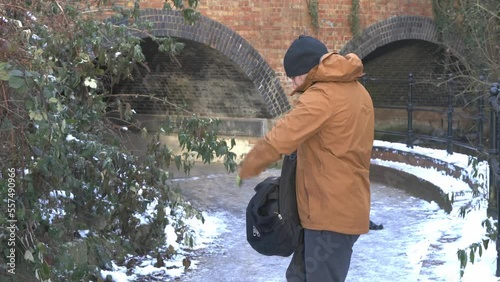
(272, 220)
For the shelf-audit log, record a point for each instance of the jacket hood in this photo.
(334, 68)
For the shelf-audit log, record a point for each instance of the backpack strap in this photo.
(273, 196)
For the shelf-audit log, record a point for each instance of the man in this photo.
(332, 129)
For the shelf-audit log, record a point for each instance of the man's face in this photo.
(298, 80)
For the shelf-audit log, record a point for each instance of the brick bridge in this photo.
(231, 66)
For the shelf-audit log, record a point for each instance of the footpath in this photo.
(413, 246)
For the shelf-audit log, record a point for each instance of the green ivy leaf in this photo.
(189, 15)
(59, 107)
(4, 75)
(16, 73)
(41, 247)
(485, 243)
(45, 271)
(178, 3)
(35, 115)
(20, 214)
(63, 125)
(16, 82)
(6, 124)
(193, 3)
(178, 161)
(463, 259)
(138, 55)
(233, 143)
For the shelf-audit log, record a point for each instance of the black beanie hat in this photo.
(303, 55)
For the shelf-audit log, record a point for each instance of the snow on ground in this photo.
(205, 234)
(468, 229)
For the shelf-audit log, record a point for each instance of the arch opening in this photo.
(199, 80)
(228, 44)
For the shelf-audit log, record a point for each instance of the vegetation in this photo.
(470, 31)
(63, 168)
(354, 19)
(313, 10)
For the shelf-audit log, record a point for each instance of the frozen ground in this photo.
(419, 241)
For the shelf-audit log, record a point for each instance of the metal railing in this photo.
(489, 151)
(494, 159)
(448, 141)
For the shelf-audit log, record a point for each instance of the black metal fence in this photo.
(470, 140)
(479, 142)
(494, 159)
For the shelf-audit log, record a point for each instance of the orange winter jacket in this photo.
(332, 129)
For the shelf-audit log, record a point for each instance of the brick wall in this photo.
(270, 26)
(253, 36)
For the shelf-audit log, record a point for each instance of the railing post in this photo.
(449, 137)
(493, 158)
(409, 109)
(494, 91)
(480, 118)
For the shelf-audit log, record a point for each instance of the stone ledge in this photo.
(391, 154)
(410, 183)
(413, 184)
(247, 127)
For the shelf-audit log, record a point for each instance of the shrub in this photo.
(72, 175)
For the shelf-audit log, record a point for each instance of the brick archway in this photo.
(230, 44)
(391, 30)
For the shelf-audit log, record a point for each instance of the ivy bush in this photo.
(58, 63)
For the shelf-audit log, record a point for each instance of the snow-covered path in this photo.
(419, 242)
(409, 248)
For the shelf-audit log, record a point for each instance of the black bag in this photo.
(272, 220)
